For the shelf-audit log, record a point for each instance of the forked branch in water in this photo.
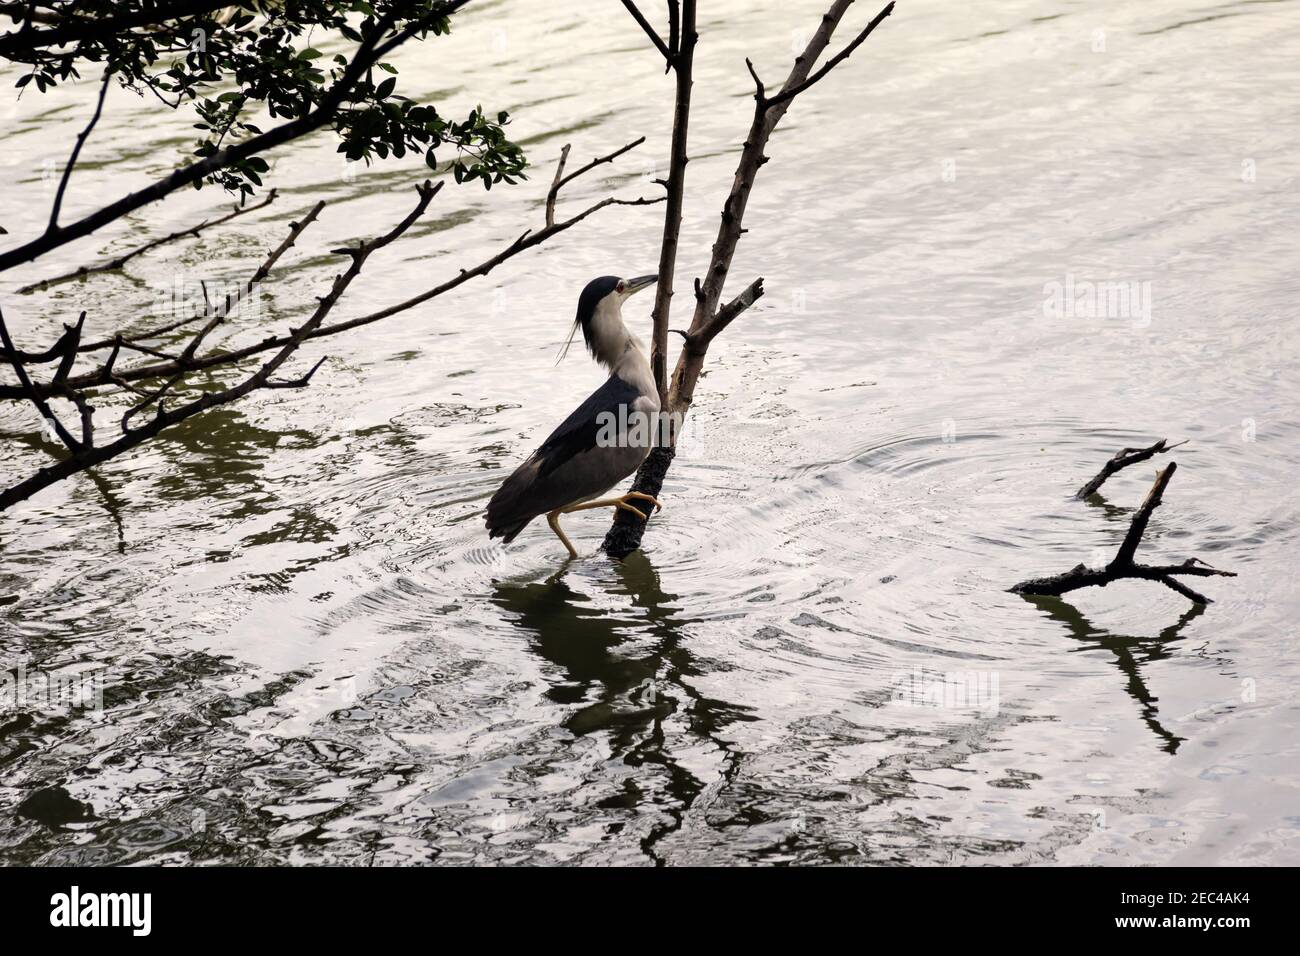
(1123, 564)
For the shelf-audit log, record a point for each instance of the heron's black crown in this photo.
(596, 290)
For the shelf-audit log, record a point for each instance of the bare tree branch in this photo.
(649, 30)
(598, 161)
(55, 351)
(76, 151)
(171, 365)
(556, 183)
(1138, 527)
(30, 391)
(752, 293)
(674, 33)
(116, 263)
(626, 533)
(89, 456)
(220, 313)
(683, 62)
(789, 92)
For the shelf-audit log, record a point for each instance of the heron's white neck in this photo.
(619, 350)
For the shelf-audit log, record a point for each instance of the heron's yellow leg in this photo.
(620, 503)
(553, 519)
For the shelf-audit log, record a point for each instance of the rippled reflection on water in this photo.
(314, 654)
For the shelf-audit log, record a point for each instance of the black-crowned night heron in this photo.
(604, 440)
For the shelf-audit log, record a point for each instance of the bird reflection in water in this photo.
(629, 673)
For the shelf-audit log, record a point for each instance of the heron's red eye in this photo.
(620, 287)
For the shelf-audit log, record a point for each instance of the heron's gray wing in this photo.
(578, 432)
(569, 466)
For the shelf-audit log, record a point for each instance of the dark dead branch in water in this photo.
(117, 262)
(1122, 459)
(1123, 565)
(710, 316)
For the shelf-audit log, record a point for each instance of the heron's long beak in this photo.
(639, 283)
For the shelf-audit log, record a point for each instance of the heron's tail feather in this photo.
(508, 512)
(508, 533)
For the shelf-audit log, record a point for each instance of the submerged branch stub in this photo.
(1123, 565)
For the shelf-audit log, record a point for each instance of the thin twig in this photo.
(556, 183)
(220, 314)
(790, 92)
(112, 265)
(752, 293)
(76, 151)
(599, 160)
(30, 391)
(649, 30)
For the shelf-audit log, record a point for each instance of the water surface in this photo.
(314, 655)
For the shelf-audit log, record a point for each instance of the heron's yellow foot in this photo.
(644, 497)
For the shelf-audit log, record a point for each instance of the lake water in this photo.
(311, 653)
